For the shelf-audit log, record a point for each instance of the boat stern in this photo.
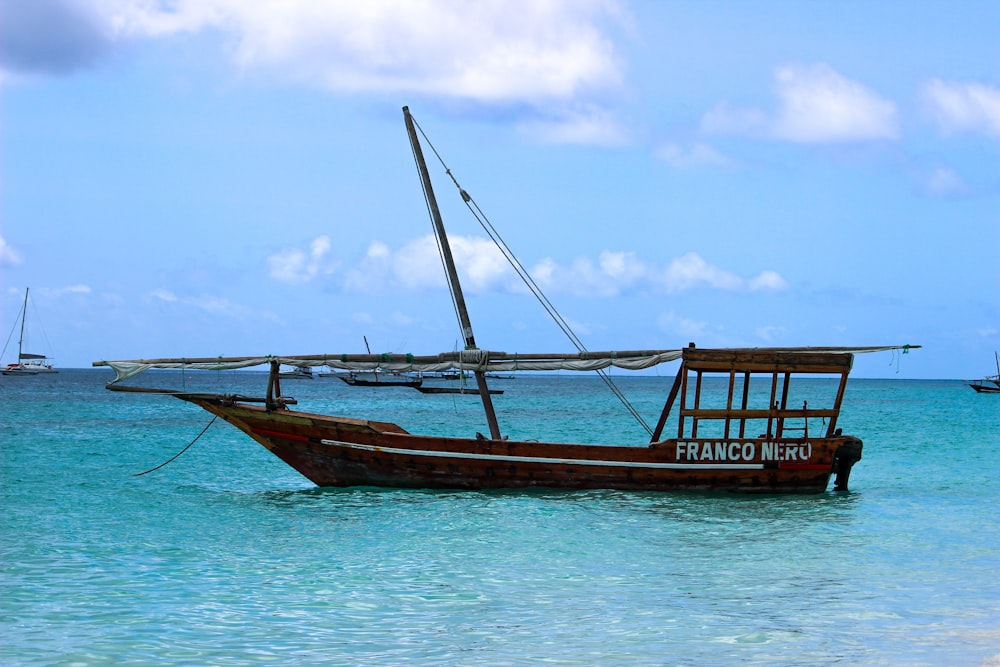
(844, 459)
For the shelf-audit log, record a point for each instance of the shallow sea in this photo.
(228, 557)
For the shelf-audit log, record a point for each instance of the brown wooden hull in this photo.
(338, 452)
(360, 382)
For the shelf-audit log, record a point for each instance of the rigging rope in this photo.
(177, 455)
(437, 239)
(529, 282)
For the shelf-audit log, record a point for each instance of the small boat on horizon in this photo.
(297, 373)
(378, 378)
(989, 384)
(27, 363)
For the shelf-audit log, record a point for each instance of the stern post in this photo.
(844, 459)
(273, 387)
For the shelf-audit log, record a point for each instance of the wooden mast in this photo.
(453, 283)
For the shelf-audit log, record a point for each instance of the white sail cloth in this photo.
(468, 360)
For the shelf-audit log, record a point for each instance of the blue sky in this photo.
(216, 177)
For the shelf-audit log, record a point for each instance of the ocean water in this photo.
(226, 556)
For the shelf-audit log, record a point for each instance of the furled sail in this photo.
(467, 360)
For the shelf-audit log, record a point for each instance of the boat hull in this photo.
(28, 369)
(382, 382)
(339, 452)
(19, 371)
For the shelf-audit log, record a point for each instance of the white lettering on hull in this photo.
(724, 451)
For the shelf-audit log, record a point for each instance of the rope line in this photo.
(437, 239)
(529, 282)
(177, 455)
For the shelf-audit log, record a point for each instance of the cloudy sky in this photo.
(218, 177)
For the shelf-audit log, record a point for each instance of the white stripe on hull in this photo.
(545, 459)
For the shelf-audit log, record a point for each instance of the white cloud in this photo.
(819, 105)
(363, 318)
(164, 295)
(690, 271)
(56, 292)
(589, 126)
(942, 182)
(482, 268)
(8, 256)
(683, 327)
(767, 280)
(770, 333)
(418, 266)
(964, 107)
(613, 273)
(554, 61)
(618, 272)
(482, 263)
(295, 266)
(484, 50)
(212, 305)
(815, 104)
(698, 155)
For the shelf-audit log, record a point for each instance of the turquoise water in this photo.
(228, 557)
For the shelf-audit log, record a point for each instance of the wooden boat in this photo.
(989, 384)
(27, 363)
(379, 378)
(768, 433)
(453, 382)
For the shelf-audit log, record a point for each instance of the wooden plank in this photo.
(797, 366)
(722, 413)
(766, 361)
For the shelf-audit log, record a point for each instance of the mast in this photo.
(453, 283)
(24, 316)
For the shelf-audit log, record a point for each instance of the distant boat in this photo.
(298, 373)
(27, 363)
(379, 378)
(989, 384)
(453, 382)
(734, 419)
(465, 376)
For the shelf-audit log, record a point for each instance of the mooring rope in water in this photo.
(177, 455)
